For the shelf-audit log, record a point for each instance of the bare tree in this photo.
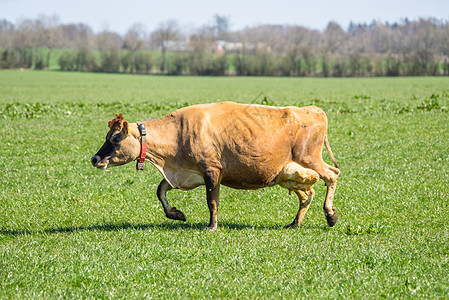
(331, 40)
(50, 34)
(165, 33)
(6, 34)
(76, 36)
(133, 42)
(221, 26)
(7, 58)
(109, 44)
(333, 37)
(26, 41)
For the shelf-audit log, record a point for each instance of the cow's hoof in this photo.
(292, 225)
(211, 228)
(332, 219)
(176, 214)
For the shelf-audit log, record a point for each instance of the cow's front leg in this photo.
(212, 179)
(170, 212)
(305, 198)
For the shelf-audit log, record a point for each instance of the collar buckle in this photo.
(140, 166)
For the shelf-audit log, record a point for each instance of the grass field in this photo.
(71, 231)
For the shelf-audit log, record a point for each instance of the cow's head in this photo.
(121, 146)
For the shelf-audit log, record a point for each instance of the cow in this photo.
(242, 146)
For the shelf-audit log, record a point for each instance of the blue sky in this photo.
(120, 15)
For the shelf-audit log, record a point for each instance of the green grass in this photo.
(68, 230)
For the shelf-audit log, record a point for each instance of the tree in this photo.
(221, 26)
(133, 42)
(8, 58)
(50, 34)
(25, 42)
(75, 36)
(6, 34)
(109, 44)
(165, 33)
(332, 38)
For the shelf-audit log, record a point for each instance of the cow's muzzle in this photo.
(97, 162)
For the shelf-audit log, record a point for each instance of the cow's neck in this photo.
(161, 140)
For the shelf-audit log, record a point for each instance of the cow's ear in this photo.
(126, 128)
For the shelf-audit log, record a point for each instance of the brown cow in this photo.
(238, 145)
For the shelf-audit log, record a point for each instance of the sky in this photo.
(120, 15)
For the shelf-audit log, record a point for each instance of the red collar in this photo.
(143, 147)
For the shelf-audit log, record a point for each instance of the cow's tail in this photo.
(329, 151)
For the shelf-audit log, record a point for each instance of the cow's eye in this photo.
(115, 139)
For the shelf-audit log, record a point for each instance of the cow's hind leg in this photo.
(305, 198)
(330, 176)
(170, 212)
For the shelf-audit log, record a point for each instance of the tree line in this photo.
(408, 47)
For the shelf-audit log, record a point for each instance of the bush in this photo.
(207, 64)
(143, 62)
(421, 62)
(111, 62)
(393, 65)
(255, 65)
(67, 60)
(125, 61)
(86, 61)
(219, 65)
(240, 65)
(285, 66)
(8, 60)
(339, 68)
(25, 57)
(177, 64)
(39, 61)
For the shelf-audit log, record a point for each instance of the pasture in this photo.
(71, 231)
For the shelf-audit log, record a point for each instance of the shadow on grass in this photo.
(162, 226)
